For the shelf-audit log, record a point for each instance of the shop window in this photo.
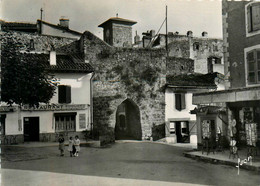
(180, 101)
(253, 17)
(253, 67)
(64, 93)
(65, 122)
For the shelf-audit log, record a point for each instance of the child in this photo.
(70, 148)
(61, 145)
(77, 145)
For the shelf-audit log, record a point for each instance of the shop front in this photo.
(45, 123)
(242, 128)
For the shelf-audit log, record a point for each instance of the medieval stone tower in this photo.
(117, 31)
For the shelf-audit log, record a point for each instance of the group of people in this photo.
(73, 148)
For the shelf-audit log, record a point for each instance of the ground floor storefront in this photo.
(236, 123)
(44, 123)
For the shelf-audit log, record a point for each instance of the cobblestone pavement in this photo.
(121, 162)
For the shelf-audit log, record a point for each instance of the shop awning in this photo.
(230, 95)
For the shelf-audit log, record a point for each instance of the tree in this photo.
(24, 81)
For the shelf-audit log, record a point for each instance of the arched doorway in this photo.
(128, 125)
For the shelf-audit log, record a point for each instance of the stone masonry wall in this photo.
(42, 44)
(122, 35)
(126, 73)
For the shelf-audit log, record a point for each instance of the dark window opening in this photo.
(180, 101)
(64, 93)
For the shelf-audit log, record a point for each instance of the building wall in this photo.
(172, 112)
(121, 35)
(80, 87)
(51, 31)
(237, 41)
(136, 74)
(182, 46)
(42, 44)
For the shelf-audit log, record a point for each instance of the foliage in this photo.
(149, 75)
(24, 81)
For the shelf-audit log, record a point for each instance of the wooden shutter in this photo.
(68, 94)
(183, 101)
(178, 101)
(256, 16)
(249, 18)
(251, 67)
(62, 93)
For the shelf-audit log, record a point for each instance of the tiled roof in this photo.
(20, 26)
(118, 19)
(60, 27)
(205, 80)
(64, 63)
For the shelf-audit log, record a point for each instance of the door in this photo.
(31, 129)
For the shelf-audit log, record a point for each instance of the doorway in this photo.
(128, 125)
(31, 129)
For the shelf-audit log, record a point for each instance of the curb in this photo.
(223, 162)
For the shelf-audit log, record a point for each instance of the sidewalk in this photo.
(223, 158)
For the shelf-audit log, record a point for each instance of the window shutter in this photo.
(178, 101)
(62, 94)
(256, 17)
(251, 67)
(183, 102)
(68, 94)
(249, 18)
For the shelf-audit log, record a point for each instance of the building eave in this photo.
(224, 96)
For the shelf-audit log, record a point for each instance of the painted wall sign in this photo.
(55, 107)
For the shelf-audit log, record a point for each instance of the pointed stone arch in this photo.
(128, 124)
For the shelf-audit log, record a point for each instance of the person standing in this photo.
(77, 145)
(61, 145)
(70, 148)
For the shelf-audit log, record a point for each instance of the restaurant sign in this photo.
(54, 107)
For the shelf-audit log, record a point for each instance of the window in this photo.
(180, 101)
(253, 17)
(211, 62)
(31, 44)
(253, 67)
(65, 122)
(64, 93)
(196, 46)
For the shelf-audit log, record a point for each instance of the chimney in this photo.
(52, 57)
(189, 33)
(64, 22)
(204, 34)
(152, 33)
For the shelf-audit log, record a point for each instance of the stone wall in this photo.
(41, 44)
(126, 73)
(122, 35)
(177, 66)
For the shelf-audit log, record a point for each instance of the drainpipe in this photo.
(91, 104)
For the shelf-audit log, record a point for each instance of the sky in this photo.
(183, 15)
